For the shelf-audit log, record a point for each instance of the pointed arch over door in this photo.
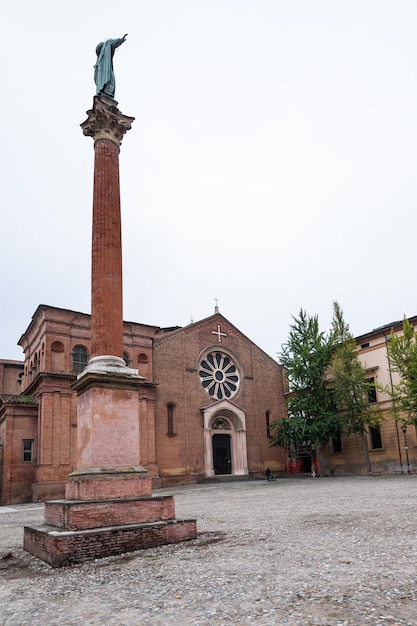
(225, 450)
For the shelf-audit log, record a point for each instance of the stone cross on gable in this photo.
(219, 333)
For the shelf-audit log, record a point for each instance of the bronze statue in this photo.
(103, 69)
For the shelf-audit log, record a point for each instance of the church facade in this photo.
(208, 395)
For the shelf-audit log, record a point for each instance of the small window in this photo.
(79, 359)
(376, 440)
(364, 345)
(332, 399)
(337, 443)
(268, 424)
(371, 390)
(27, 450)
(126, 358)
(170, 419)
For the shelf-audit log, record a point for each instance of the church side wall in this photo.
(10, 377)
(19, 422)
(57, 421)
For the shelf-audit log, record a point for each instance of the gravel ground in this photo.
(332, 551)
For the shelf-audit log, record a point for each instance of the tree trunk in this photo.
(322, 468)
(366, 453)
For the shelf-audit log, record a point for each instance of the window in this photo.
(337, 444)
(79, 359)
(219, 376)
(170, 419)
(221, 424)
(268, 424)
(126, 358)
(332, 399)
(376, 440)
(27, 450)
(371, 390)
(365, 345)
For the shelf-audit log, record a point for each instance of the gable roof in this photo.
(216, 317)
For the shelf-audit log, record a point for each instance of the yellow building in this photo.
(392, 449)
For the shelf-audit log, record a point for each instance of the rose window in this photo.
(219, 376)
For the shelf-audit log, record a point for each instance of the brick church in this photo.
(207, 398)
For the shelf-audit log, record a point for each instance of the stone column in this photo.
(108, 437)
(108, 506)
(107, 126)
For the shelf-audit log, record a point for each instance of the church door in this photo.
(222, 458)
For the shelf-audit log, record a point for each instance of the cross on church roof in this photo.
(219, 333)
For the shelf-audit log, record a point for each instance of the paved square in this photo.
(292, 552)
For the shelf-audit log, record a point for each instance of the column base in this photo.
(108, 511)
(97, 483)
(60, 548)
(108, 364)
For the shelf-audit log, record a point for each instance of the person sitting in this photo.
(268, 474)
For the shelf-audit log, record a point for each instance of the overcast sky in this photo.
(271, 164)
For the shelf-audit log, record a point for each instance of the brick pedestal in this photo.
(61, 547)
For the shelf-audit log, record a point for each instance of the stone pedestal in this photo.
(109, 507)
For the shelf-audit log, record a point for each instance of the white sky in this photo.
(271, 165)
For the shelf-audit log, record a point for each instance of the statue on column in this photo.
(103, 70)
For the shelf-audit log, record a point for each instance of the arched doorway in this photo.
(222, 458)
(224, 439)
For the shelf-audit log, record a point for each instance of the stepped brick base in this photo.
(60, 547)
(81, 515)
(85, 485)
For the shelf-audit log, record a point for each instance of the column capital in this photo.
(105, 121)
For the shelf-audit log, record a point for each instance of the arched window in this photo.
(79, 359)
(143, 364)
(220, 423)
(57, 356)
(126, 358)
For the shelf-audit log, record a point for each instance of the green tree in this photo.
(402, 352)
(350, 387)
(312, 419)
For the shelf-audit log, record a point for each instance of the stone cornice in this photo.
(105, 121)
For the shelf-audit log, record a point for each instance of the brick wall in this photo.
(17, 422)
(176, 361)
(78, 547)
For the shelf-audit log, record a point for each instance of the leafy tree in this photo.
(350, 387)
(312, 418)
(402, 352)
